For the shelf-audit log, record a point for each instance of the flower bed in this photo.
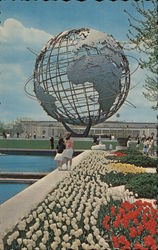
(68, 216)
(119, 154)
(126, 168)
(129, 226)
(144, 185)
(133, 157)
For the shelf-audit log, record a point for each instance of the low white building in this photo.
(46, 129)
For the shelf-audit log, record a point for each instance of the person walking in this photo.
(52, 142)
(59, 150)
(145, 147)
(151, 147)
(68, 152)
(137, 142)
(129, 143)
(34, 134)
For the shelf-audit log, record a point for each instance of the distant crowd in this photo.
(148, 144)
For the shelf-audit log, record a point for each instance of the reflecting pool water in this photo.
(22, 163)
(26, 163)
(8, 190)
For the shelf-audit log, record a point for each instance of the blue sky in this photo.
(30, 24)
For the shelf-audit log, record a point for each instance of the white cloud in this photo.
(17, 65)
(12, 78)
(14, 31)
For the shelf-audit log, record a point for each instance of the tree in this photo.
(1, 127)
(143, 34)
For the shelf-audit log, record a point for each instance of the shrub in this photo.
(139, 160)
(145, 185)
(116, 179)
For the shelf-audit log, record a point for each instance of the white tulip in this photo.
(74, 246)
(68, 222)
(50, 206)
(39, 233)
(28, 220)
(9, 242)
(42, 246)
(59, 224)
(54, 245)
(39, 209)
(46, 234)
(85, 246)
(44, 240)
(25, 241)
(31, 217)
(46, 201)
(34, 237)
(90, 238)
(34, 214)
(62, 203)
(19, 241)
(53, 214)
(64, 209)
(86, 220)
(28, 234)
(57, 232)
(57, 239)
(15, 235)
(103, 243)
(48, 211)
(29, 247)
(87, 227)
(66, 237)
(58, 205)
(78, 217)
(72, 231)
(74, 226)
(64, 228)
(22, 226)
(68, 245)
(50, 216)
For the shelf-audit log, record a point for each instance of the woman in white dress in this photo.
(68, 152)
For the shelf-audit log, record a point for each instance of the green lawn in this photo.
(45, 144)
(32, 144)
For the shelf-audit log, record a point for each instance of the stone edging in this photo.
(20, 205)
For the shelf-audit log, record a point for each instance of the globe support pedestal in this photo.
(85, 133)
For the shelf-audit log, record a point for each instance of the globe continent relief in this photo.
(81, 77)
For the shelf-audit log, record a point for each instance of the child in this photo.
(60, 147)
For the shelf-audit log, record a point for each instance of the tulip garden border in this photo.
(67, 218)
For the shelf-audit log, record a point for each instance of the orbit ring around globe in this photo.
(81, 77)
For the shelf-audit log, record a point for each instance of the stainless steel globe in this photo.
(81, 77)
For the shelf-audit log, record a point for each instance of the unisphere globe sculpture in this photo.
(81, 77)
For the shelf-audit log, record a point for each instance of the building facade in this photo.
(46, 129)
